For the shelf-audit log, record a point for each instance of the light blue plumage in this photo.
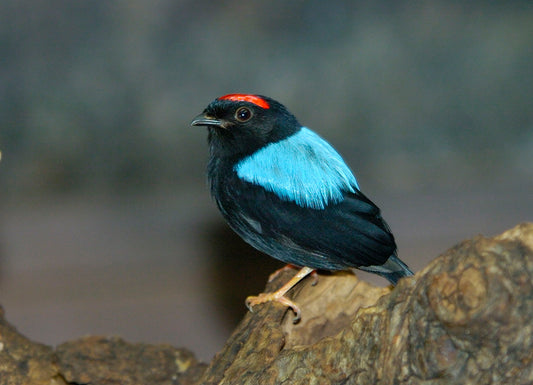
(302, 168)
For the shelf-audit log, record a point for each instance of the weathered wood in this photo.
(23, 361)
(466, 318)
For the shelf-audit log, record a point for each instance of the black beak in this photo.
(204, 120)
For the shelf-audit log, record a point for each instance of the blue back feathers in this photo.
(302, 168)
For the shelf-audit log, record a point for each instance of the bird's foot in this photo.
(279, 295)
(276, 296)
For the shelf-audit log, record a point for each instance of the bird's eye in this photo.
(243, 114)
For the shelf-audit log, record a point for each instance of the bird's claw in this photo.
(251, 301)
(314, 274)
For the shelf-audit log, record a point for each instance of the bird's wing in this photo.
(346, 234)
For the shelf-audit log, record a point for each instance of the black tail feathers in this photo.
(392, 270)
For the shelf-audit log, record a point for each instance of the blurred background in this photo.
(107, 226)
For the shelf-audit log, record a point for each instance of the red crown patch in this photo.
(254, 99)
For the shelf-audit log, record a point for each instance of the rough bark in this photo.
(467, 318)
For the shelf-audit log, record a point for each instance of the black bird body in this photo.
(343, 235)
(288, 193)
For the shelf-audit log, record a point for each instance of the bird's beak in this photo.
(205, 120)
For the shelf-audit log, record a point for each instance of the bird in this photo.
(287, 192)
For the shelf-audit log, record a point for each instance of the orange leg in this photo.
(275, 274)
(279, 295)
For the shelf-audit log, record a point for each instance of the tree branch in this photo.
(466, 318)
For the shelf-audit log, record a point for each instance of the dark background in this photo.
(106, 222)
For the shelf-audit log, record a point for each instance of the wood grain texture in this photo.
(466, 318)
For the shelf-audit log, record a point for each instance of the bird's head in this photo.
(240, 124)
